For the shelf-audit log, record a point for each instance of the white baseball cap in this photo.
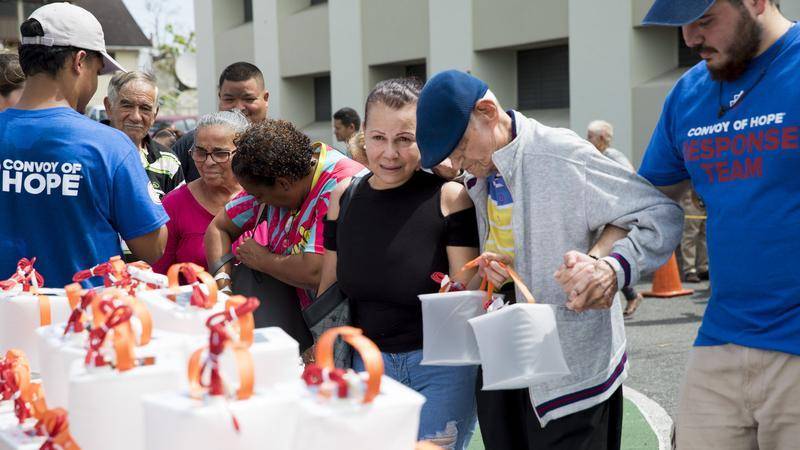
(68, 25)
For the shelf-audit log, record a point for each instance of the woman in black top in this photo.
(401, 226)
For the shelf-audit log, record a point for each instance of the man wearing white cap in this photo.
(69, 186)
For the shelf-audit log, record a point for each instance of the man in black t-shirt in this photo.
(241, 87)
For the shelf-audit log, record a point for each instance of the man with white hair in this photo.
(601, 133)
(132, 107)
(542, 194)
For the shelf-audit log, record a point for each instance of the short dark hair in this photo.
(241, 71)
(35, 59)
(11, 75)
(272, 149)
(348, 116)
(394, 93)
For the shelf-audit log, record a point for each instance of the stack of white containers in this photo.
(116, 357)
(25, 304)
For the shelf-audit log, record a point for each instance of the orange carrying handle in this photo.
(244, 359)
(246, 323)
(45, 311)
(31, 393)
(54, 425)
(487, 285)
(244, 362)
(370, 354)
(124, 344)
(192, 272)
(139, 310)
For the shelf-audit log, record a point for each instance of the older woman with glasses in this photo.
(192, 207)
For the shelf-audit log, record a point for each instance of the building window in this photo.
(248, 11)
(8, 9)
(322, 99)
(543, 78)
(417, 70)
(686, 56)
(318, 2)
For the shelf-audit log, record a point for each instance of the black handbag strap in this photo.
(228, 257)
(347, 196)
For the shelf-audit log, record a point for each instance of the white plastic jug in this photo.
(23, 312)
(386, 417)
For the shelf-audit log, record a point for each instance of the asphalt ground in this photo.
(660, 335)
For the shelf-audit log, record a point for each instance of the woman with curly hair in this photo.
(402, 225)
(277, 219)
(12, 80)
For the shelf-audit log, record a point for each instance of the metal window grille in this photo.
(322, 99)
(543, 78)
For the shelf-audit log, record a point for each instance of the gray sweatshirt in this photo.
(564, 190)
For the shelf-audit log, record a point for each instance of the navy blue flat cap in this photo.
(443, 112)
(676, 13)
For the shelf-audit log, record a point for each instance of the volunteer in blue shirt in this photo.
(731, 128)
(69, 186)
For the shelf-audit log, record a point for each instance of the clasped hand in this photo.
(589, 283)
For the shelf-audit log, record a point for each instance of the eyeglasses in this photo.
(217, 156)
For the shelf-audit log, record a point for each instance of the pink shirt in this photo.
(187, 225)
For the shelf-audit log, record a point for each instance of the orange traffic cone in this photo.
(667, 281)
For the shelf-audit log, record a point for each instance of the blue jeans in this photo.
(448, 415)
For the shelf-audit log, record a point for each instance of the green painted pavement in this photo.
(636, 432)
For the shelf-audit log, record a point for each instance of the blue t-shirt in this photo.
(69, 187)
(746, 167)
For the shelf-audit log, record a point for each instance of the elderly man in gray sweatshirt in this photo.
(541, 194)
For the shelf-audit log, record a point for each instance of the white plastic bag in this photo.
(447, 338)
(519, 344)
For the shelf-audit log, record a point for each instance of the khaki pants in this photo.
(737, 397)
(694, 255)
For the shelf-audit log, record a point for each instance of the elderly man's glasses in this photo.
(218, 156)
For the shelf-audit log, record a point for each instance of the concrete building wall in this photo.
(600, 67)
(394, 31)
(518, 22)
(305, 45)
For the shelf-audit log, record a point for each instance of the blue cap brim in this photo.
(676, 13)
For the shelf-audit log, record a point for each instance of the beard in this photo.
(747, 39)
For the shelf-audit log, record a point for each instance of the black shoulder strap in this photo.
(228, 257)
(344, 201)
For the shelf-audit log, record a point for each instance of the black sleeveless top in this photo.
(388, 245)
